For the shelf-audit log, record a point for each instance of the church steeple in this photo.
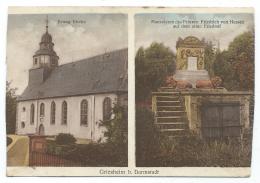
(45, 56)
(47, 22)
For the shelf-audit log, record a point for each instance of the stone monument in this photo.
(190, 60)
(192, 101)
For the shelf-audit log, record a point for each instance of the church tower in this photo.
(44, 60)
(45, 56)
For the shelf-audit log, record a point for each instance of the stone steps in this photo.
(168, 103)
(171, 113)
(170, 108)
(171, 116)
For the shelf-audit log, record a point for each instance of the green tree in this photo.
(116, 133)
(153, 64)
(209, 58)
(242, 52)
(147, 138)
(10, 108)
(117, 127)
(236, 64)
(224, 69)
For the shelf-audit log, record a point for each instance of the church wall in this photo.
(91, 131)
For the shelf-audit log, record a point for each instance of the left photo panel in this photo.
(67, 90)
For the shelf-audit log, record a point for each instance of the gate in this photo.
(220, 120)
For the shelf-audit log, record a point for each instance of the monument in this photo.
(195, 102)
(190, 65)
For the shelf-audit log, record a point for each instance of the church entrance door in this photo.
(192, 63)
(41, 129)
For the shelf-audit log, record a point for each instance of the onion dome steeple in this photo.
(45, 56)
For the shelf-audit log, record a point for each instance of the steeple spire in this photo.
(47, 22)
(45, 56)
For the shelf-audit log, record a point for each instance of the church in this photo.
(74, 97)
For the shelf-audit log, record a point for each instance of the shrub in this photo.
(64, 138)
(113, 152)
(9, 141)
(147, 138)
(154, 149)
(99, 154)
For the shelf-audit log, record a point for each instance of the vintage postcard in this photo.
(187, 110)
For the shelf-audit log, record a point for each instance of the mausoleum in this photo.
(196, 102)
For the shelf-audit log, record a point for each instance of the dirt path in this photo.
(18, 153)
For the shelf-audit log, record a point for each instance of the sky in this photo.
(148, 32)
(91, 35)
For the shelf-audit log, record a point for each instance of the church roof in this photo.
(99, 74)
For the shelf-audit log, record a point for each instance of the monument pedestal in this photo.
(192, 76)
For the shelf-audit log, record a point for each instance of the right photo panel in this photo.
(194, 88)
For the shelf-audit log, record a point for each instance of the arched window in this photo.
(23, 124)
(32, 114)
(64, 110)
(42, 109)
(84, 112)
(107, 109)
(53, 111)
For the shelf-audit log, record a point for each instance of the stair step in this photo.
(170, 123)
(173, 104)
(172, 130)
(168, 100)
(170, 113)
(168, 97)
(170, 108)
(169, 117)
(173, 126)
(170, 120)
(166, 93)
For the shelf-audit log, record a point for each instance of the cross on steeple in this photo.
(47, 22)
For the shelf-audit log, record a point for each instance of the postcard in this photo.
(95, 91)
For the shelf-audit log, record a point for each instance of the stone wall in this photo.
(195, 100)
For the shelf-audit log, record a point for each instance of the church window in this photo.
(23, 124)
(23, 109)
(84, 112)
(32, 114)
(35, 61)
(64, 111)
(42, 109)
(107, 109)
(53, 111)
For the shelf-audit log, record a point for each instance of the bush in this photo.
(147, 139)
(154, 149)
(193, 151)
(64, 139)
(99, 154)
(113, 152)
(9, 141)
